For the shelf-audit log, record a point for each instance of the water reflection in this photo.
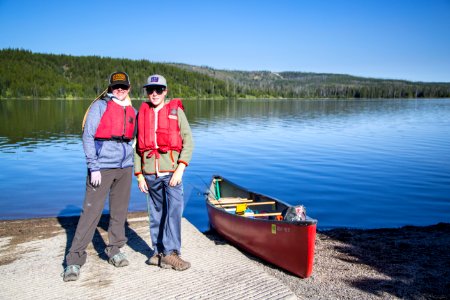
(25, 123)
(356, 163)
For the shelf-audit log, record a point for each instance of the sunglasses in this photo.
(120, 86)
(158, 89)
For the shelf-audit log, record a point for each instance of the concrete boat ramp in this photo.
(32, 253)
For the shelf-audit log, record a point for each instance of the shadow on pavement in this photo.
(135, 242)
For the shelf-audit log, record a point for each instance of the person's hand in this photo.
(96, 178)
(177, 175)
(142, 184)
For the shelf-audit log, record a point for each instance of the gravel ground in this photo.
(404, 263)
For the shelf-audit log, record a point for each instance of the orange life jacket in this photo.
(117, 123)
(168, 135)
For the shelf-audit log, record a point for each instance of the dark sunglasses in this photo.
(120, 86)
(159, 89)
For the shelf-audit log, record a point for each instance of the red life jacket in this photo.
(117, 122)
(168, 135)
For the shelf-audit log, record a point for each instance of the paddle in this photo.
(87, 110)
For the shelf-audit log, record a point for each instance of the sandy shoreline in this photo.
(404, 263)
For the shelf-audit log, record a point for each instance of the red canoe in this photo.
(261, 231)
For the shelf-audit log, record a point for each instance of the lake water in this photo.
(352, 163)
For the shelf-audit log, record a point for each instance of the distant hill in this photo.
(24, 75)
(323, 85)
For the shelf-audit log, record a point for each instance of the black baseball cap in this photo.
(119, 78)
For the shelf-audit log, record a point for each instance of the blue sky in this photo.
(398, 39)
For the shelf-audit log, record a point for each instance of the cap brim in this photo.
(119, 82)
(155, 85)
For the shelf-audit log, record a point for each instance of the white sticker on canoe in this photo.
(280, 228)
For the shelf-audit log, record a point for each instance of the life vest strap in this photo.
(119, 139)
(154, 152)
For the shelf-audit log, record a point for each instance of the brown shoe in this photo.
(155, 260)
(175, 262)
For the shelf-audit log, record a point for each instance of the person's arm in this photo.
(142, 184)
(186, 152)
(188, 141)
(92, 121)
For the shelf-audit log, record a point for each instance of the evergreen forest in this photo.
(28, 75)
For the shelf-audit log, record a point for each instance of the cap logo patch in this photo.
(154, 79)
(119, 77)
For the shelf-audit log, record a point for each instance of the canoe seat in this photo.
(229, 200)
(268, 214)
(248, 204)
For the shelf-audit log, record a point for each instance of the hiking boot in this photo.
(71, 273)
(175, 262)
(119, 260)
(155, 260)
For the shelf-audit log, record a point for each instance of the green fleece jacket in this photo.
(167, 162)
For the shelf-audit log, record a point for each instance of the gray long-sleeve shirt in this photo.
(104, 154)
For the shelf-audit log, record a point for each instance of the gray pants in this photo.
(116, 182)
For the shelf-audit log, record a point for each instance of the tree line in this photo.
(24, 75)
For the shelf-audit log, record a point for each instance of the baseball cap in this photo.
(119, 78)
(156, 80)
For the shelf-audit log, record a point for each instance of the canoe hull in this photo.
(288, 245)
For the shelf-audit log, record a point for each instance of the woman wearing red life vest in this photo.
(163, 151)
(108, 137)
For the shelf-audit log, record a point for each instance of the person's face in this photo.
(156, 95)
(120, 91)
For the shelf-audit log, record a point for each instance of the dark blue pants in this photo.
(166, 209)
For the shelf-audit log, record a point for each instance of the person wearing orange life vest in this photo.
(108, 137)
(163, 151)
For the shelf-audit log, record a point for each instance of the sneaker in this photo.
(119, 260)
(175, 262)
(155, 260)
(71, 273)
